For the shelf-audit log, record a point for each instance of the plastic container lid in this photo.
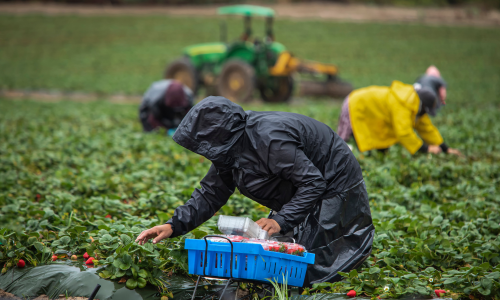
(241, 226)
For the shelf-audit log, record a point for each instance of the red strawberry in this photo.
(108, 216)
(90, 261)
(54, 257)
(38, 196)
(86, 255)
(21, 263)
(351, 293)
(439, 292)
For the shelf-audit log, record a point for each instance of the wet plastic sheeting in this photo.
(320, 297)
(343, 297)
(75, 279)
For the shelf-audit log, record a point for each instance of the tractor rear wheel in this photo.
(183, 70)
(236, 81)
(277, 89)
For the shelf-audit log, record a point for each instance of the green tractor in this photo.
(234, 70)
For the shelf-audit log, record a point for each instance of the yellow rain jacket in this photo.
(383, 116)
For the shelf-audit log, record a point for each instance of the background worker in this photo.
(290, 163)
(165, 104)
(380, 116)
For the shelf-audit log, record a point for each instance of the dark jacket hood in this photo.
(212, 128)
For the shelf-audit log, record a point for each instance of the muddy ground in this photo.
(8, 296)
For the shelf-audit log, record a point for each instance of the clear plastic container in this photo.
(232, 238)
(241, 226)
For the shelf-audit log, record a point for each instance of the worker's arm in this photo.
(430, 134)
(204, 202)
(296, 167)
(402, 120)
(427, 131)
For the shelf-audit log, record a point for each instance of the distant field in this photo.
(113, 54)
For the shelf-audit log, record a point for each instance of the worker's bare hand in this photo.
(157, 233)
(434, 149)
(269, 225)
(455, 152)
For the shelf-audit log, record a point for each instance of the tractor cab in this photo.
(235, 69)
(249, 11)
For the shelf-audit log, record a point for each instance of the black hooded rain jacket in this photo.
(293, 164)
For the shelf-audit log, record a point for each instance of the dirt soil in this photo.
(8, 296)
(466, 16)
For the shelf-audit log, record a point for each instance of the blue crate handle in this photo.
(206, 252)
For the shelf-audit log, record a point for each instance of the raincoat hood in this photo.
(212, 128)
(406, 94)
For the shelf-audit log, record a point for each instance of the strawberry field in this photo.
(80, 178)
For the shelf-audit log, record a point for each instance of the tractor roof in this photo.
(246, 10)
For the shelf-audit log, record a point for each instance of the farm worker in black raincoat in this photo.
(294, 165)
(380, 116)
(165, 104)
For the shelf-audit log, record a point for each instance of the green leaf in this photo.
(127, 258)
(163, 216)
(141, 282)
(394, 280)
(374, 270)
(437, 220)
(353, 274)
(105, 274)
(117, 262)
(131, 283)
(38, 246)
(119, 273)
(105, 227)
(65, 240)
(484, 291)
(198, 234)
(79, 229)
(486, 283)
(181, 257)
(124, 266)
(148, 247)
(343, 274)
(450, 280)
(125, 239)
(105, 239)
(143, 273)
(494, 275)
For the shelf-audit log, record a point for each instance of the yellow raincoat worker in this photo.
(381, 116)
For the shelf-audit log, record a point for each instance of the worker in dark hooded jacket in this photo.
(165, 104)
(294, 165)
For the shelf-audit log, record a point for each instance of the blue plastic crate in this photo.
(250, 261)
